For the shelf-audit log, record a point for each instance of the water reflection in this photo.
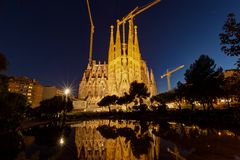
(121, 139)
(116, 140)
(106, 139)
(46, 142)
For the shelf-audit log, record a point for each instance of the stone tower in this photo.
(125, 63)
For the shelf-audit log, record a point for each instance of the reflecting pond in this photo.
(123, 140)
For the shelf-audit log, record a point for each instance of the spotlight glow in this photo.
(61, 141)
(67, 91)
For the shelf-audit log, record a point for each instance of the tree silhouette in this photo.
(13, 107)
(230, 38)
(51, 108)
(3, 62)
(125, 100)
(139, 91)
(186, 91)
(3, 84)
(179, 94)
(204, 81)
(231, 86)
(107, 101)
(140, 140)
(3, 78)
(163, 98)
(108, 132)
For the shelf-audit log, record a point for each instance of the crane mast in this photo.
(91, 32)
(168, 75)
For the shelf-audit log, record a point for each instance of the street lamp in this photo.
(61, 141)
(67, 91)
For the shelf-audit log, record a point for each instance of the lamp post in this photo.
(67, 91)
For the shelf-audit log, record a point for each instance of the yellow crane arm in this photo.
(137, 11)
(91, 32)
(176, 69)
(170, 72)
(162, 76)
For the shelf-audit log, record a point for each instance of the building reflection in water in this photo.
(118, 140)
(121, 140)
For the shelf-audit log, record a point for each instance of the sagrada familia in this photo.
(125, 65)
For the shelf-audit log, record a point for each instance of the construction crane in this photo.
(91, 32)
(168, 75)
(136, 11)
(133, 14)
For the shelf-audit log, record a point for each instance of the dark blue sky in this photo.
(49, 39)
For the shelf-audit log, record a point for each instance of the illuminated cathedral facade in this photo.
(125, 65)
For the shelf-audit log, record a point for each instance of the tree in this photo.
(107, 101)
(3, 84)
(125, 100)
(204, 81)
(51, 108)
(3, 62)
(139, 91)
(179, 94)
(3, 78)
(13, 107)
(231, 86)
(230, 38)
(162, 99)
(185, 91)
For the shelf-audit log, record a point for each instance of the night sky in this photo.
(48, 40)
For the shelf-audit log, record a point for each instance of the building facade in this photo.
(125, 65)
(28, 87)
(51, 91)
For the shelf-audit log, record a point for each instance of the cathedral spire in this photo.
(130, 38)
(118, 42)
(136, 45)
(153, 83)
(111, 46)
(151, 75)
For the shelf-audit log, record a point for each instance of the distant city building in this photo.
(28, 87)
(125, 65)
(50, 92)
(231, 72)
